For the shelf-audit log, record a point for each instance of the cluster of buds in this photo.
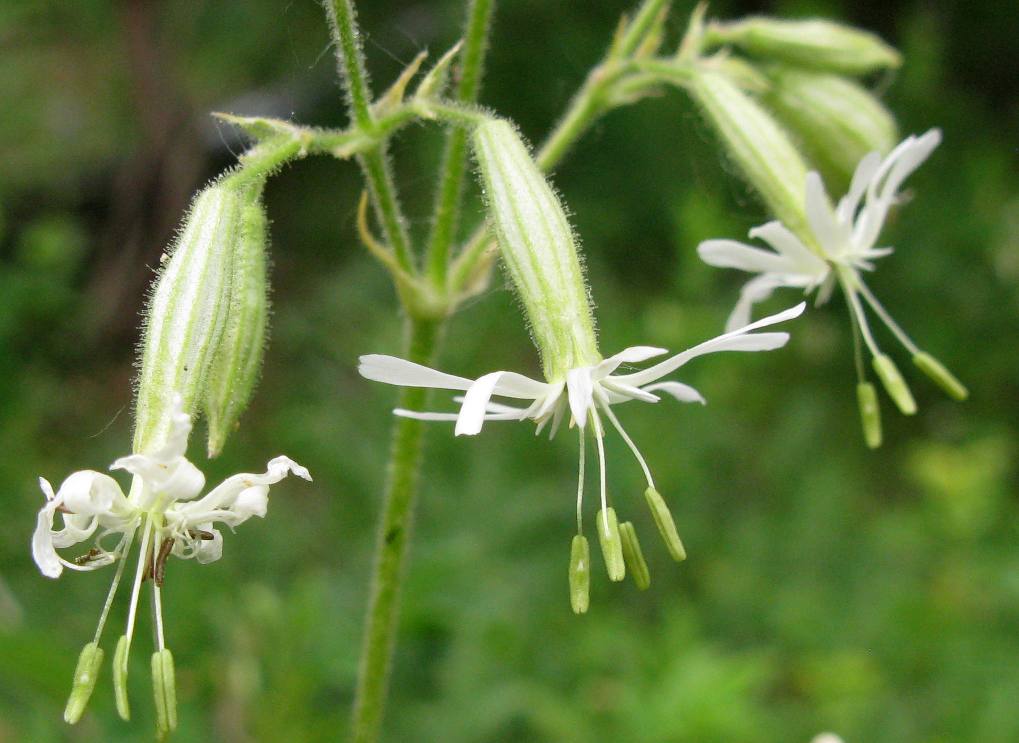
(203, 342)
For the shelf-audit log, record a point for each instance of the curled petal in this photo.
(475, 404)
(90, 493)
(580, 392)
(43, 552)
(225, 495)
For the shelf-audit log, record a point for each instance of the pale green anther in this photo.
(666, 526)
(164, 689)
(870, 414)
(85, 675)
(187, 312)
(813, 44)
(238, 358)
(837, 120)
(757, 144)
(538, 249)
(120, 677)
(611, 543)
(580, 574)
(894, 384)
(633, 556)
(941, 376)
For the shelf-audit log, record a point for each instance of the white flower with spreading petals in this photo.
(844, 245)
(162, 501)
(845, 237)
(586, 393)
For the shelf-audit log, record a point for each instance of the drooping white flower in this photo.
(844, 244)
(163, 503)
(584, 395)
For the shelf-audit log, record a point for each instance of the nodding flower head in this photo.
(839, 246)
(164, 506)
(581, 387)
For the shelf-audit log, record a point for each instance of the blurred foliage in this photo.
(874, 594)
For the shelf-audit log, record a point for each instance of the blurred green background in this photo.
(828, 587)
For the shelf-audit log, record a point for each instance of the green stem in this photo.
(421, 344)
(350, 60)
(454, 158)
(376, 169)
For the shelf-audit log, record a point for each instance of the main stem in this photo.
(421, 343)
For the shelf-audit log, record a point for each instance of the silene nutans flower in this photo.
(843, 247)
(206, 312)
(580, 386)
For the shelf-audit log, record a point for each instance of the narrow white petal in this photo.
(580, 391)
(43, 553)
(617, 392)
(631, 355)
(733, 254)
(737, 340)
(516, 385)
(472, 412)
(800, 258)
(821, 217)
(862, 178)
(392, 370)
(909, 157)
(756, 290)
(224, 495)
(680, 391)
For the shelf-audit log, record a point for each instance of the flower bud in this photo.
(164, 689)
(120, 677)
(580, 574)
(895, 385)
(235, 365)
(633, 556)
(666, 526)
(941, 376)
(187, 312)
(814, 44)
(611, 544)
(837, 119)
(870, 414)
(538, 249)
(759, 146)
(85, 675)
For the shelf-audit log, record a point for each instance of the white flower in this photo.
(843, 245)
(585, 394)
(162, 498)
(845, 237)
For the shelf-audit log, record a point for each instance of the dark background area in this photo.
(828, 587)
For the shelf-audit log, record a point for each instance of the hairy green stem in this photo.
(454, 158)
(421, 344)
(375, 165)
(350, 60)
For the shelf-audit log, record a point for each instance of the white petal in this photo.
(209, 550)
(733, 254)
(862, 178)
(516, 385)
(801, 259)
(631, 355)
(92, 493)
(177, 437)
(756, 290)
(225, 495)
(580, 392)
(252, 501)
(43, 553)
(617, 392)
(472, 412)
(737, 340)
(392, 370)
(906, 158)
(680, 391)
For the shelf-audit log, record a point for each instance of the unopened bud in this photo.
(870, 414)
(120, 677)
(187, 312)
(234, 369)
(85, 675)
(837, 119)
(633, 556)
(756, 143)
(538, 249)
(611, 544)
(666, 526)
(941, 376)
(894, 384)
(164, 689)
(814, 44)
(580, 574)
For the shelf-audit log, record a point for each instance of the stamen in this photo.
(122, 549)
(629, 442)
(849, 285)
(599, 434)
(580, 482)
(143, 558)
(887, 319)
(157, 616)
